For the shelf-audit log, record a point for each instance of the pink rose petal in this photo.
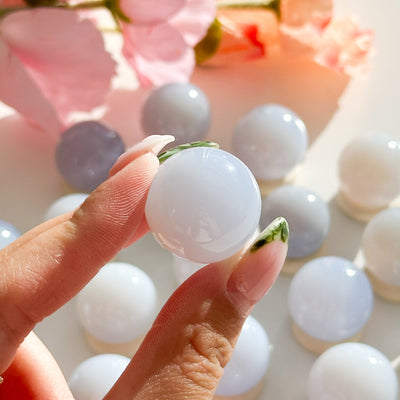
(149, 11)
(63, 55)
(158, 53)
(194, 19)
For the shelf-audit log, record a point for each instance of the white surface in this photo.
(334, 110)
(118, 305)
(352, 371)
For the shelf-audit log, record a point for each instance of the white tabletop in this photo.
(334, 108)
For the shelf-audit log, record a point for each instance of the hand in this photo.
(183, 355)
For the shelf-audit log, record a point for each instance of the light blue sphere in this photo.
(307, 214)
(8, 233)
(330, 299)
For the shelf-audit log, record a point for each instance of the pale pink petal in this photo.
(19, 91)
(194, 19)
(64, 55)
(158, 53)
(149, 11)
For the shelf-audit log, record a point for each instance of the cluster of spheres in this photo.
(206, 204)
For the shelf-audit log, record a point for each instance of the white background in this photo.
(334, 109)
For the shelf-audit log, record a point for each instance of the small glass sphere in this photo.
(369, 172)
(65, 204)
(249, 362)
(307, 214)
(93, 378)
(203, 205)
(352, 371)
(330, 299)
(271, 140)
(86, 152)
(183, 268)
(178, 109)
(8, 233)
(119, 304)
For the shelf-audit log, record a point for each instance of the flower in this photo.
(160, 49)
(52, 63)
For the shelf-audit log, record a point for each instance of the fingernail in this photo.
(153, 143)
(261, 264)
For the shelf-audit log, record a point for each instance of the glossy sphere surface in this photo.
(65, 204)
(92, 379)
(8, 233)
(307, 214)
(118, 305)
(271, 140)
(203, 205)
(178, 109)
(85, 154)
(330, 299)
(249, 361)
(352, 371)
(381, 246)
(183, 268)
(369, 171)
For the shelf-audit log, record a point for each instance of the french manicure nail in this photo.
(261, 264)
(153, 143)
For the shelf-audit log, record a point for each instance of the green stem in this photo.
(245, 4)
(82, 6)
(168, 153)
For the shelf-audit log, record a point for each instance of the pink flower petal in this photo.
(19, 90)
(194, 19)
(158, 54)
(64, 55)
(149, 11)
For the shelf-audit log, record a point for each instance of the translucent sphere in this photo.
(119, 304)
(330, 299)
(93, 378)
(249, 361)
(65, 204)
(307, 214)
(8, 233)
(178, 109)
(183, 268)
(352, 371)
(369, 172)
(381, 246)
(85, 154)
(271, 140)
(203, 205)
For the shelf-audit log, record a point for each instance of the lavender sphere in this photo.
(179, 109)
(86, 152)
(8, 233)
(271, 140)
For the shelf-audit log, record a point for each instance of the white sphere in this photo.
(271, 140)
(352, 371)
(204, 204)
(119, 304)
(65, 204)
(381, 246)
(249, 361)
(183, 268)
(330, 299)
(93, 378)
(369, 171)
(8, 233)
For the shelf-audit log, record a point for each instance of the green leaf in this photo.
(168, 153)
(209, 45)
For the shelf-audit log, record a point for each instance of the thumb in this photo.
(192, 339)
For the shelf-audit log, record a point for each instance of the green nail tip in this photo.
(278, 229)
(170, 152)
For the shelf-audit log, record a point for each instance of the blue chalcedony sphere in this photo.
(8, 233)
(178, 109)
(86, 152)
(330, 299)
(271, 140)
(307, 214)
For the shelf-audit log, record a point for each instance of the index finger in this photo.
(49, 269)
